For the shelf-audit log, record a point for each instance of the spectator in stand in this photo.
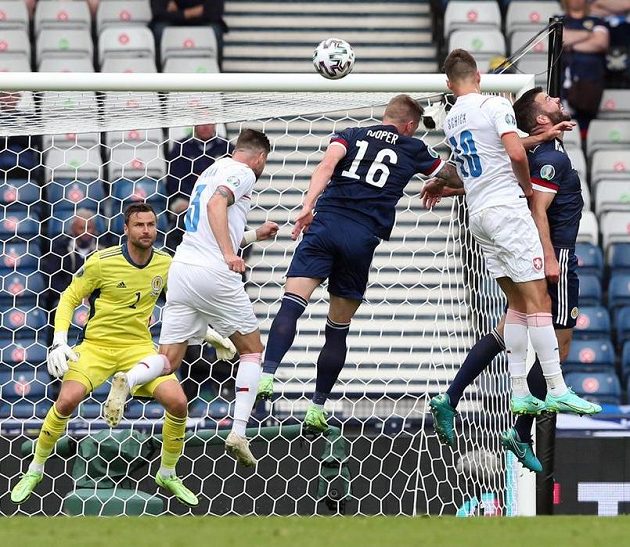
(189, 12)
(187, 159)
(18, 153)
(616, 13)
(585, 45)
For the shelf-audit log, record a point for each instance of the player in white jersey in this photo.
(205, 284)
(493, 165)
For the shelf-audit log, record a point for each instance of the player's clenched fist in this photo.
(59, 354)
(235, 263)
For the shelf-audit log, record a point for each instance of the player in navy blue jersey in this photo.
(557, 208)
(349, 208)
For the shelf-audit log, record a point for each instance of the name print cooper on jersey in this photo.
(363, 187)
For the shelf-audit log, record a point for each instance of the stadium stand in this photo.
(602, 387)
(586, 355)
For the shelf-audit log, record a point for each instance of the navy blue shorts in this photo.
(337, 249)
(564, 294)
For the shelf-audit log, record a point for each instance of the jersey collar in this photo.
(125, 253)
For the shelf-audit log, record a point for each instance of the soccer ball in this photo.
(333, 58)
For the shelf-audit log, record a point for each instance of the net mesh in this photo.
(428, 300)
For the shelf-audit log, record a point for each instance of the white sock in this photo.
(148, 369)
(247, 379)
(515, 337)
(36, 467)
(166, 472)
(266, 375)
(545, 344)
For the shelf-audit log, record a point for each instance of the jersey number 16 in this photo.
(378, 172)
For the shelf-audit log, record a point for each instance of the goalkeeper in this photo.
(123, 283)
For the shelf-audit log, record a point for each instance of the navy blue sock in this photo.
(331, 359)
(538, 388)
(478, 359)
(282, 331)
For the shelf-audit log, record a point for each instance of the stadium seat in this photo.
(538, 49)
(572, 139)
(588, 231)
(14, 44)
(122, 13)
(200, 65)
(24, 410)
(610, 165)
(55, 64)
(129, 64)
(188, 42)
(13, 15)
(625, 362)
(618, 292)
(19, 226)
(134, 137)
(24, 322)
(483, 44)
(612, 195)
(23, 353)
(142, 106)
(536, 65)
(586, 195)
(25, 383)
(615, 228)
(596, 355)
(53, 104)
(530, 16)
(20, 256)
(70, 140)
(125, 191)
(590, 259)
(132, 163)
(67, 197)
(127, 41)
(18, 194)
(462, 15)
(619, 258)
(73, 44)
(608, 135)
(622, 326)
(17, 64)
(146, 410)
(60, 14)
(590, 290)
(592, 322)
(79, 319)
(601, 387)
(73, 164)
(20, 289)
(579, 163)
(615, 104)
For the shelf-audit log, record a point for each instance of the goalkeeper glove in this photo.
(224, 347)
(59, 354)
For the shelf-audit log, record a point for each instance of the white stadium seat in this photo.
(188, 42)
(578, 161)
(483, 44)
(191, 65)
(14, 44)
(122, 12)
(464, 15)
(611, 165)
(608, 135)
(538, 48)
(62, 15)
(534, 64)
(14, 64)
(64, 43)
(13, 15)
(615, 104)
(136, 162)
(125, 41)
(134, 137)
(588, 231)
(530, 16)
(612, 195)
(586, 195)
(572, 139)
(54, 64)
(84, 164)
(129, 64)
(615, 228)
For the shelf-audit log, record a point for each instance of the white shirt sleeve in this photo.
(501, 112)
(239, 181)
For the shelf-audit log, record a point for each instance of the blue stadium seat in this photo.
(73, 193)
(18, 288)
(24, 322)
(590, 290)
(20, 256)
(625, 362)
(31, 384)
(591, 355)
(148, 410)
(15, 155)
(619, 258)
(22, 353)
(593, 322)
(146, 189)
(23, 409)
(19, 226)
(622, 325)
(19, 194)
(618, 292)
(590, 259)
(601, 387)
(79, 319)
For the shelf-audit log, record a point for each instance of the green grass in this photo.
(316, 532)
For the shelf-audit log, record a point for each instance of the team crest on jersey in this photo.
(80, 272)
(575, 312)
(538, 263)
(510, 120)
(547, 172)
(233, 181)
(157, 283)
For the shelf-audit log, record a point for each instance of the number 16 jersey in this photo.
(473, 129)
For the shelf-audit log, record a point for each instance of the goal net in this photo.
(86, 146)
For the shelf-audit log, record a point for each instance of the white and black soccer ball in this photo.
(333, 58)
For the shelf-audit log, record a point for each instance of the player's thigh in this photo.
(354, 252)
(491, 253)
(564, 294)
(313, 257)
(94, 366)
(129, 357)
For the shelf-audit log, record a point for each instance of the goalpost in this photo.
(103, 140)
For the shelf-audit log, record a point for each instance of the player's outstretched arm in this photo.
(446, 183)
(319, 180)
(555, 132)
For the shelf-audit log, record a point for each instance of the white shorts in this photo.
(198, 297)
(509, 240)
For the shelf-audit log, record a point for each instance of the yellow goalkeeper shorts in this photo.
(97, 363)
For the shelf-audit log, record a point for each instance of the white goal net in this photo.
(88, 145)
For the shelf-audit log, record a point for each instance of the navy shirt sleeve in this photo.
(427, 160)
(546, 171)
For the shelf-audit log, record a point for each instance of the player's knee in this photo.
(177, 404)
(67, 403)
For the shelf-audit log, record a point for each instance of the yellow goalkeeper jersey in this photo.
(122, 296)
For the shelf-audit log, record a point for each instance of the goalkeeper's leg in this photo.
(71, 394)
(171, 396)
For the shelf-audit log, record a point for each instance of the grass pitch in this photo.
(556, 531)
